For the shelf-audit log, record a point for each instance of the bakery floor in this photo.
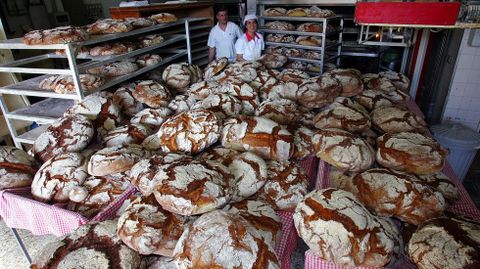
(11, 256)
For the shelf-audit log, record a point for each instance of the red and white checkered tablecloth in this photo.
(19, 210)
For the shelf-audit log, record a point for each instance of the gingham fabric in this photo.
(20, 210)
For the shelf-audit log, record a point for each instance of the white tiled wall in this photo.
(463, 101)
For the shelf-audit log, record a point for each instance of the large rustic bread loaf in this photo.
(350, 81)
(152, 117)
(126, 134)
(124, 100)
(152, 93)
(222, 105)
(115, 159)
(443, 184)
(318, 92)
(282, 111)
(62, 34)
(17, 168)
(109, 26)
(396, 119)
(64, 83)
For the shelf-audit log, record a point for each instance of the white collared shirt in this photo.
(224, 41)
(251, 50)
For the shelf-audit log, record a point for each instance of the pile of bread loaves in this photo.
(213, 155)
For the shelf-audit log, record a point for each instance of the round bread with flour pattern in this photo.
(371, 99)
(273, 60)
(17, 168)
(339, 229)
(91, 246)
(114, 69)
(222, 105)
(149, 229)
(189, 132)
(152, 93)
(116, 48)
(286, 185)
(57, 176)
(400, 81)
(259, 135)
(392, 193)
(115, 159)
(62, 34)
(343, 150)
(67, 134)
(181, 103)
(126, 134)
(140, 22)
(243, 92)
(446, 243)
(293, 75)
(148, 59)
(215, 67)
(177, 76)
(64, 83)
(350, 81)
(124, 100)
(443, 184)
(282, 111)
(279, 25)
(203, 89)
(318, 92)
(164, 17)
(109, 26)
(410, 152)
(275, 12)
(224, 240)
(264, 80)
(343, 114)
(396, 119)
(152, 117)
(302, 138)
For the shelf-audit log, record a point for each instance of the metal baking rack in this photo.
(55, 104)
(336, 35)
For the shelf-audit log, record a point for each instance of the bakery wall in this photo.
(463, 101)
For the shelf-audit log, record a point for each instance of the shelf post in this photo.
(72, 63)
(187, 37)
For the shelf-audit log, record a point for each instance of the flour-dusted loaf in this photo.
(239, 71)
(280, 38)
(275, 12)
(245, 93)
(152, 93)
(148, 60)
(203, 89)
(400, 81)
(339, 229)
(344, 114)
(249, 173)
(109, 26)
(64, 83)
(280, 25)
(150, 40)
(282, 111)
(95, 193)
(116, 48)
(317, 12)
(264, 80)
(152, 117)
(302, 138)
(259, 135)
(396, 119)
(67, 134)
(215, 67)
(297, 12)
(392, 193)
(62, 34)
(177, 76)
(115, 159)
(181, 103)
(318, 92)
(149, 229)
(310, 27)
(140, 22)
(446, 243)
(189, 132)
(114, 69)
(124, 100)
(343, 150)
(410, 152)
(91, 246)
(132, 133)
(349, 79)
(273, 60)
(57, 176)
(222, 105)
(286, 185)
(371, 99)
(309, 41)
(164, 17)
(17, 168)
(224, 240)
(293, 75)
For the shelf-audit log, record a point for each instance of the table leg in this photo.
(22, 246)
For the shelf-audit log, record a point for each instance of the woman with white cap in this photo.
(250, 45)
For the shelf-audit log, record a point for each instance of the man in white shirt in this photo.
(249, 47)
(221, 41)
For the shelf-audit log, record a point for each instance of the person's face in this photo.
(251, 25)
(222, 17)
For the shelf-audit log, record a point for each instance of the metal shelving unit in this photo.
(48, 110)
(337, 35)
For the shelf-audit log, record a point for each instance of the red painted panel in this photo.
(426, 13)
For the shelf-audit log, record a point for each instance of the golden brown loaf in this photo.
(395, 119)
(164, 17)
(63, 34)
(109, 26)
(280, 25)
(310, 27)
(318, 92)
(275, 12)
(17, 168)
(350, 81)
(297, 12)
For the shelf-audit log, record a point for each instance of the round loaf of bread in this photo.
(280, 38)
(400, 81)
(410, 152)
(275, 12)
(243, 92)
(140, 22)
(442, 183)
(279, 90)
(90, 246)
(264, 80)
(293, 75)
(114, 69)
(151, 117)
(339, 229)
(116, 48)
(189, 132)
(17, 168)
(262, 216)
(343, 150)
(297, 12)
(177, 76)
(219, 154)
(67, 134)
(309, 41)
(222, 105)
(318, 92)
(446, 243)
(259, 135)
(124, 100)
(164, 17)
(159, 262)
(57, 176)
(249, 174)
(302, 138)
(310, 27)
(392, 193)
(152, 93)
(377, 83)
(279, 25)
(396, 119)
(125, 135)
(282, 111)
(343, 114)
(115, 159)
(297, 65)
(286, 185)
(196, 73)
(150, 40)
(244, 71)
(181, 103)
(371, 99)
(95, 194)
(350, 81)
(273, 60)
(64, 83)
(148, 59)
(62, 34)
(314, 55)
(149, 229)
(317, 12)
(224, 240)
(203, 89)
(291, 52)
(109, 26)
(215, 67)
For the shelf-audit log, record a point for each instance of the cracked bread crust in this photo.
(400, 81)
(152, 117)
(302, 138)
(63, 34)
(259, 135)
(17, 168)
(393, 193)
(446, 243)
(338, 228)
(115, 159)
(152, 93)
(220, 239)
(181, 103)
(123, 98)
(281, 110)
(149, 229)
(410, 152)
(214, 68)
(318, 92)
(443, 184)
(350, 81)
(177, 76)
(396, 119)
(126, 135)
(109, 26)
(371, 99)
(343, 150)
(222, 105)
(343, 114)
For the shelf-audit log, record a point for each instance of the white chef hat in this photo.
(249, 17)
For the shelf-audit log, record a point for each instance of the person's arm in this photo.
(211, 54)
(240, 58)
(239, 50)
